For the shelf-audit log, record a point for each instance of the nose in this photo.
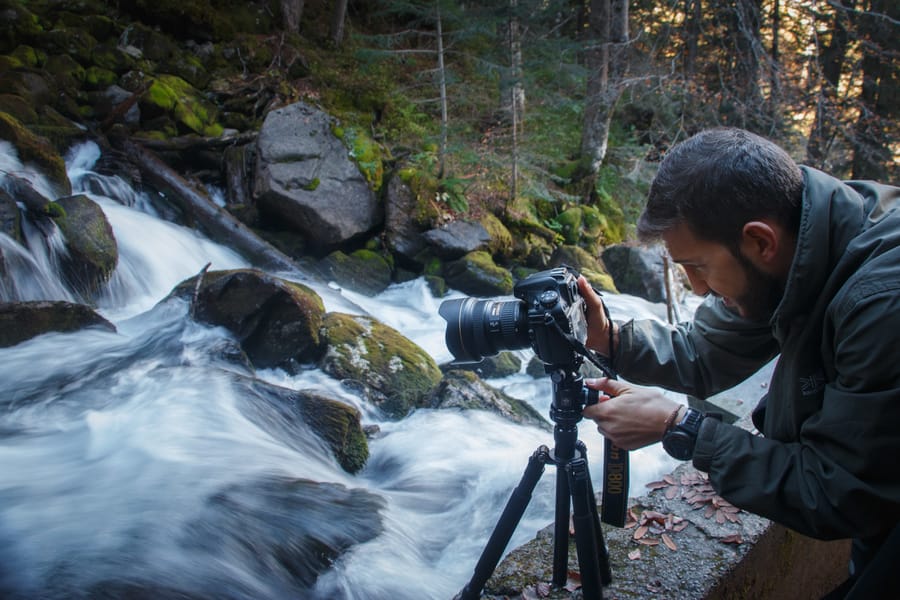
(698, 284)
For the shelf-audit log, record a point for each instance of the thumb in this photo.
(611, 387)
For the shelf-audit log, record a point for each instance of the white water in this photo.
(112, 445)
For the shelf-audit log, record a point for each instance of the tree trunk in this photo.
(338, 16)
(876, 127)
(442, 82)
(291, 13)
(830, 62)
(606, 59)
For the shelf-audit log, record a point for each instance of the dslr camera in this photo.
(548, 315)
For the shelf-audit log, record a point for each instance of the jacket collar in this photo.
(833, 213)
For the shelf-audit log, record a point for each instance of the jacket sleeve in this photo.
(715, 351)
(841, 478)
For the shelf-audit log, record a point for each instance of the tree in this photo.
(606, 59)
(338, 16)
(879, 100)
(829, 64)
(291, 13)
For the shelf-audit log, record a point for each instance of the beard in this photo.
(763, 293)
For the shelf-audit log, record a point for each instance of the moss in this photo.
(98, 78)
(397, 373)
(35, 149)
(312, 185)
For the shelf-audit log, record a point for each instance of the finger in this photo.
(612, 387)
(591, 298)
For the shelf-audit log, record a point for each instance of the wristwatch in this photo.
(679, 440)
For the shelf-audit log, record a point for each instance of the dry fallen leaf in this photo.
(634, 554)
(668, 542)
(641, 532)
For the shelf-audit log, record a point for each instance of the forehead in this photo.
(685, 247)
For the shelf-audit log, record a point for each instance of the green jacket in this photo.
(829, 464)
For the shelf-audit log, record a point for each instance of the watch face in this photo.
(679, 444)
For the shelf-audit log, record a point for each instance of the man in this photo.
(793, 263)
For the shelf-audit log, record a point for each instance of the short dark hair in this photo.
(718, 180)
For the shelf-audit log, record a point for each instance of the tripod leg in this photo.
(506, 525)
(561, 529)
(586, 530)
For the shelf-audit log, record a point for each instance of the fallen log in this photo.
(218, 223)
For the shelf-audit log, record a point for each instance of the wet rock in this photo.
(93, 251)
(396, 374)
(289, 415)
(276, 321)
(464, 389)
(20, 321)
(299, 529)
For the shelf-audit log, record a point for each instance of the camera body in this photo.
(549, 311)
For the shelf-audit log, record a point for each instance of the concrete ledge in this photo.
(707, 553)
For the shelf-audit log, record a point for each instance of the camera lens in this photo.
(479, 328)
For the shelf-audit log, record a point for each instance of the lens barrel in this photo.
(479, 328)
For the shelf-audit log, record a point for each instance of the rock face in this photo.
(276, 321)
(306, 182)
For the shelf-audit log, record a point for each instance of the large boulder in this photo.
(93, 251)
(477, 274)
(466, 390)
(306, 181)
(20, 321)
(637, 270)
(396, 375)
(275, 320)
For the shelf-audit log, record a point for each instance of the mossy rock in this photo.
(500, 365)
(477, 274)
(17, 107)
(21, 321)
(466, 390)
(569, 222)
(276, 321)
(173, 96)
(288, 414)
(363, 271)
(396, 374)
(93, 252)
(501, 243)
(29, 56)
(584, 262)
(36, 150)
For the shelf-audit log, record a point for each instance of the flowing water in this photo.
(142, 464)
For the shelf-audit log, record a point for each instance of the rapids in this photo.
(131, 464)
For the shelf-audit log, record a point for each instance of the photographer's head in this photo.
(727, 204)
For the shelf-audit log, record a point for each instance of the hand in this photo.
(630, 416)
(598, 324)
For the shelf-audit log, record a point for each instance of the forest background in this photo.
(520, 108)
(574, 101)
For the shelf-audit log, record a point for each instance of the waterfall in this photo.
(141, 462)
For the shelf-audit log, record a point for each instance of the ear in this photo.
(761, 242)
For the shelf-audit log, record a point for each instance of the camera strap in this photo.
(615, 459)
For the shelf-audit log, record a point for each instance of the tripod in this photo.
(573, 490)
